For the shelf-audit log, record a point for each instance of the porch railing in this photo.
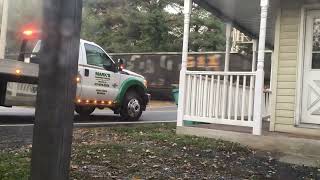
(266, 105)
(220, 97)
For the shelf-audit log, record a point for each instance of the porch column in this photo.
(257, 116)
(226, 67)
(4, 24)
(254, 54)
(182, 84)
(228, 46)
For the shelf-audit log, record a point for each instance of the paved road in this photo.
(16, 124)
(19, 115)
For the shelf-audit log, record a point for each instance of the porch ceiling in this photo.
(244, 14)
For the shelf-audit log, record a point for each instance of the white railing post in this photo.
(182, 84)
(257, 128)
(4, 24)
(253, 69)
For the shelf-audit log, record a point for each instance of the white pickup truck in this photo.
(101, 83)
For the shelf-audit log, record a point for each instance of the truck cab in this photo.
(104, 83)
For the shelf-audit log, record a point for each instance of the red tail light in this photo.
(30, 34)
(27, 33)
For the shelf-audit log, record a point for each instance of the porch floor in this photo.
(291, 148)
(248, 130)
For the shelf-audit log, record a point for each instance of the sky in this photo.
(173, 9)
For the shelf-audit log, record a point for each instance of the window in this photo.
(97, 57)
(316, 44)
(37, 47)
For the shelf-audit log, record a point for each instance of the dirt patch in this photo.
(148, 152)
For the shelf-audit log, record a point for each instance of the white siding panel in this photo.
(285, 99)
(288, 35)
(285, 120)
(287, 71)
(289, 28)
(288, 42)
(287, 66)
(287, 78)
(290, 13)
(287, 56)
(285, 106)
(286, 92)
(287, 85)
(289, 20)
(285, 113)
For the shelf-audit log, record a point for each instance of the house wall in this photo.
(285, 83)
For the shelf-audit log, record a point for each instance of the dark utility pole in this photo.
(58, 68)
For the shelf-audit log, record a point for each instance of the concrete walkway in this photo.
(302, 150)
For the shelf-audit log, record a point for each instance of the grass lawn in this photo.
(156, 152)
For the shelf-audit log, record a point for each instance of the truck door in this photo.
(96, 81)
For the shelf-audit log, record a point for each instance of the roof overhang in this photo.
(244, 15)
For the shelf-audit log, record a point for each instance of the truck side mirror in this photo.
(120, 64)
(111, 67)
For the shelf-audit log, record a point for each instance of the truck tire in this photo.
(84, 110)
(131, 109)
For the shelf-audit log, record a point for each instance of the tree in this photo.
(129, 25)
(207, 31)
(145, 26)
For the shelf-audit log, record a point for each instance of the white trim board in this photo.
(297, 117)
(274, 69)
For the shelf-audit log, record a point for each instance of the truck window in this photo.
(36, 48)
(97, 57)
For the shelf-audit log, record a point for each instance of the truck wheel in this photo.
(131, 109)
(84, 110)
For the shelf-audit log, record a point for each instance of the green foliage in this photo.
(207, 31)
(145, 26)
(14, 166)
(245, 48)
(128, 25)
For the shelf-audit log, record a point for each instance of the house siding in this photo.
(287, 67)
(287, 71)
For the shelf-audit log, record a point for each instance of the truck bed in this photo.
(17, 71)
